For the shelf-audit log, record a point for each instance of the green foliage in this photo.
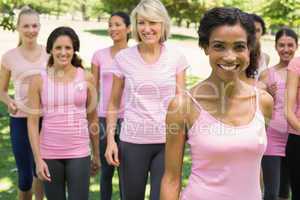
(111, 6)
(282, 12)
(7, 15)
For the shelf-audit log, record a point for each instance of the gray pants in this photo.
(276, 182)
(73, 173)
(137, 160)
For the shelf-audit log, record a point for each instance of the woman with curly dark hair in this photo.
(221, 118)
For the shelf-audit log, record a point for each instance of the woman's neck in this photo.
(32, 46)
(120, 44)
(149, 49)
(117, 47)
(282, 64)
(227, 88)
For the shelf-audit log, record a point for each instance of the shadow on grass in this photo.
(103, 32)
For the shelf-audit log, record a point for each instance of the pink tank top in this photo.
(64, 131)
(225, 159)
(277, 131)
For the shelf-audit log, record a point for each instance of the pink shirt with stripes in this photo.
(148, 90)
(277, 130)
(294, 66)
(103, 60)
(21, 70)
(64, 131)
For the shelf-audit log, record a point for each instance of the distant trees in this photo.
(182, 12)
(282, 12)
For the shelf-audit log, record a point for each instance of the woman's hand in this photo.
(12, 107)
(112, 153)
(42, 171)
(272, 89)
(95, 165)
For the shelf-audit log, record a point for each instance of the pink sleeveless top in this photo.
(225, 159)
(277, 131)
(64, 131)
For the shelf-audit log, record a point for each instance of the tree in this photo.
(7, 14)
(111, 6)
(282, 12)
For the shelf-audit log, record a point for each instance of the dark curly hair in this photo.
(221, 16)
(64, 31)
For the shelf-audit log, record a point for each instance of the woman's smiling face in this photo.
(228, 51)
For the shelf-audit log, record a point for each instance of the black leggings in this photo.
(73, 173)
(293, 161)
(107, 171)
(137, 160)
(276, 184)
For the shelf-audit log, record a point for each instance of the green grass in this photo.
(103, 32)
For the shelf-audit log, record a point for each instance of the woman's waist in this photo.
(64, 112)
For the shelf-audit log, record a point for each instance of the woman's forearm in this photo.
(170, 188)
(94, 131)
(293, 120)
(34, 137)
(111, 121)
(5, 98)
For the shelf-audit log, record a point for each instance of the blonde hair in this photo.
(152, 10)
(25, 10)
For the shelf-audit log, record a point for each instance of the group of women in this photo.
(234, 121)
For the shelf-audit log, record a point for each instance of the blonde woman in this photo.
(147, 74)
(19, 64)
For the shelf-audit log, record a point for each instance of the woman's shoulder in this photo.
(173, 50)
(36, 80)
(266, 101)
(88, 76)
(102, 51)
(127, 51)
(11, 53)
(179, 108)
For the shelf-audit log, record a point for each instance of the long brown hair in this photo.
(64, 31)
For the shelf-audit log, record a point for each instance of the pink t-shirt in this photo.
(21, 71)
(103, 59)
(148, 90)
(294, 66)
(64, 131)
(277, 131)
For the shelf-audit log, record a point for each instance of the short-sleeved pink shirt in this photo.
(148, 90)
(294, 66)
(103, 59)
(21, 71)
